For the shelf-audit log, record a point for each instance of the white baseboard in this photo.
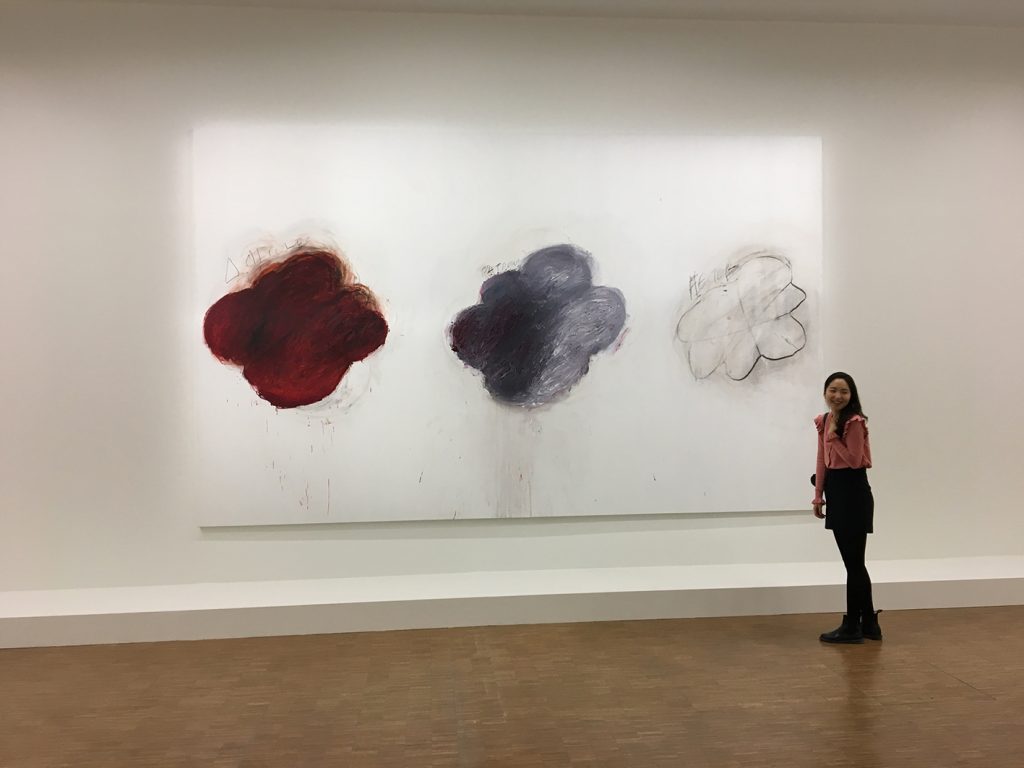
(259, 609)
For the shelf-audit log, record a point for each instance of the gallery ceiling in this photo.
(944, 12)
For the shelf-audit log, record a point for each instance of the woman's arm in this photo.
(819, 465)
(851, 447)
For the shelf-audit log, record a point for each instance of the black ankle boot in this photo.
(869, 626)
(847, 632)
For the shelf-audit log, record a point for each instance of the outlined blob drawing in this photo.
(743, 313)
(536, 327)
(297, 327)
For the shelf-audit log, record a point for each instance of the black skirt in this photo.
(849, 504)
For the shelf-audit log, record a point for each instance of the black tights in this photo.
(852, 545)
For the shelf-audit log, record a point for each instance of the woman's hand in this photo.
(832, 424)
(819, 511)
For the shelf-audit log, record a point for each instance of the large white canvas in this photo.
(424, 214)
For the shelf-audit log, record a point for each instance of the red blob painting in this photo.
(298, 327)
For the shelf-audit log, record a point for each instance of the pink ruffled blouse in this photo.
(851, 451)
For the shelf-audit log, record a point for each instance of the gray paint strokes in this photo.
(536, 328)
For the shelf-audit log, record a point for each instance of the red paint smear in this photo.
(297, 328)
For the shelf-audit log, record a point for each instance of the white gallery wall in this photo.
(922, 136)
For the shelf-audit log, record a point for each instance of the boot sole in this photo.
(843, 641)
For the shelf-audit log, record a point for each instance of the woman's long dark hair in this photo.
(853, 407)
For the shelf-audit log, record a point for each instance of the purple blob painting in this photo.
(536, 328)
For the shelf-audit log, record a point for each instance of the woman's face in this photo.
(837, 394)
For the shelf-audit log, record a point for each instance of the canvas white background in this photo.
(923, 170)
(423, 213)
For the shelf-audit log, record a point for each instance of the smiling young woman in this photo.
(842, 496)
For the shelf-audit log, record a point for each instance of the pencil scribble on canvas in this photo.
(742, 314)
(536, 328)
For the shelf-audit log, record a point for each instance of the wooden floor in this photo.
(945, 688)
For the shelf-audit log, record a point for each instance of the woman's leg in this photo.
(849, 631)
(852, 546)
